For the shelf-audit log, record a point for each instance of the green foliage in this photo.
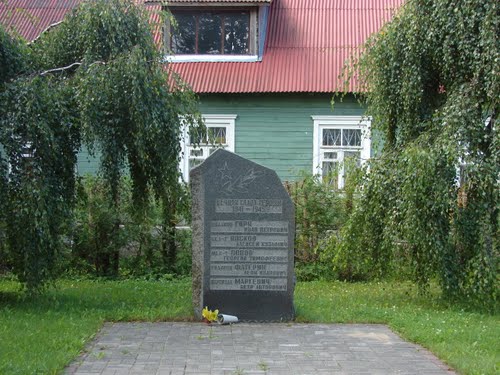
(318, 209)
(363, 252)
(320, 212)
(96, 31)
(3, 211)
(12, 62)
(40, 139)
(184, 255)
(431, 78)
(103, 229)
(103, 83)
(132, 114)
(99, 230)
(12, 57)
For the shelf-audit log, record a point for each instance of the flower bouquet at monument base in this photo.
(209, 316)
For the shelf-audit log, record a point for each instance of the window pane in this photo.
(351, 137)
(209, 34)
(352, 158)
(196, 152)
(329, 173)
(330, 155)
(197, 138)
(27, 150)
(194, 162)
(331, 137)
(236, 33)
(217, 135)
(183, 36)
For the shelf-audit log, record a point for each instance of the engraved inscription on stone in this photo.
(249, 206)
(249, 226)
(246, 269)
(247, 283)
(244, 241)
(248, 255)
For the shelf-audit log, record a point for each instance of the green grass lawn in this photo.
(42, 335)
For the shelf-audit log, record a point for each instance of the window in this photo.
(24, 161)
(212, 34)
(339, 141)
(195, 149)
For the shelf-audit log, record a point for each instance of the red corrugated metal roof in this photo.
(307, 45)
(211, 1)
(28, 18)
(308, 42)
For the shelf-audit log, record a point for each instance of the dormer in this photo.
(216, 30)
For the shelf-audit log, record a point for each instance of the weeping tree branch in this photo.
(75, 64)
(71, 66)
(48, 28)
(63, 69)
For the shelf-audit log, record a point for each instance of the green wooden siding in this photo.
(276, 130)
(86, 163)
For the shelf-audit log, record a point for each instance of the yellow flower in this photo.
(211, 316)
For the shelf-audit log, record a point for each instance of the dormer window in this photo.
(210, 32)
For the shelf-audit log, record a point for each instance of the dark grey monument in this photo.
(243, 237)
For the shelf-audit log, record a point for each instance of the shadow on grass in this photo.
(9, 298)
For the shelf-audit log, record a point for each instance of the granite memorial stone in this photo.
(243, 237)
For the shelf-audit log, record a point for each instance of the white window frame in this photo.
(28, 153)
(339, 122)
(252, 56)
(210, 121)
(210, 58)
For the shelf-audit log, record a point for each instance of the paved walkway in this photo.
(251, 349)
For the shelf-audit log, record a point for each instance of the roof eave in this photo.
(214, 3)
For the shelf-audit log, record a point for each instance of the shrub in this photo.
(320, 212)
(184, 253)
(100, 229)
(112, 240)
